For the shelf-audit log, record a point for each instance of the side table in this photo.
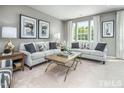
(17, 57)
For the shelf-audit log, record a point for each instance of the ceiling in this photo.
(65, 12)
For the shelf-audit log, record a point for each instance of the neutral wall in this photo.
(9, 16)
(111, 42)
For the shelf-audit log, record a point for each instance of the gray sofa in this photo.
(39, 56)
(89, 51)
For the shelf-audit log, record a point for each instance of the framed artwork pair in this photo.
(28, 27)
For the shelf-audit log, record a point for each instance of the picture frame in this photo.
(28, 27)
(43, 29)
(108, 29)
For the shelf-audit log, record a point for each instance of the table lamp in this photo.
(9, 32)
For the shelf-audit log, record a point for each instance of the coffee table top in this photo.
(62, 59)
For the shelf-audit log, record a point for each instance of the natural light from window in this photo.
(83, 30)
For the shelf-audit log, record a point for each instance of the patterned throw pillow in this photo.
(41, 47)
(82, 46)
(46, 46)
(85, 46)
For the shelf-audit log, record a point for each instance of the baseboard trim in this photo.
(112, 57)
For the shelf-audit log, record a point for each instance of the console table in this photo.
(15, 56)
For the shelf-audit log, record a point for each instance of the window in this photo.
(83, 30)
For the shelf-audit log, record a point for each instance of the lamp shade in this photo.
(9, 32)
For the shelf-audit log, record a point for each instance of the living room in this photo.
(92, 40)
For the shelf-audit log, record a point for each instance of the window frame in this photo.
(89, 31)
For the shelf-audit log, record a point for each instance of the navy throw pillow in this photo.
(52, 45)
(30, 48)
(100, 46)
(75, 45)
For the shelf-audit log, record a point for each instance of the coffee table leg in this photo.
(48, 67)
(73, 62)
(68, 70)
(80, 59)
(76, 65)
(66, 74)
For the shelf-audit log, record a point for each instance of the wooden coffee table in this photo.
(60, 60)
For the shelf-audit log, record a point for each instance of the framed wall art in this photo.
(28, 27)
(43, 29)
(108, 31)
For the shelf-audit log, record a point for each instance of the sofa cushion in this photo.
(96, 53)
(52, 45)
(42, 54)
(52, 51)
(30, 48)
(84, 51)
(100, 46)
(75, 45)
(89, 52)
(38, 55)
(56, 51)
(48, 52)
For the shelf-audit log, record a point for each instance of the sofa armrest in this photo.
(27, 59)
(105, 51)
(105, 55)
(26, 53)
